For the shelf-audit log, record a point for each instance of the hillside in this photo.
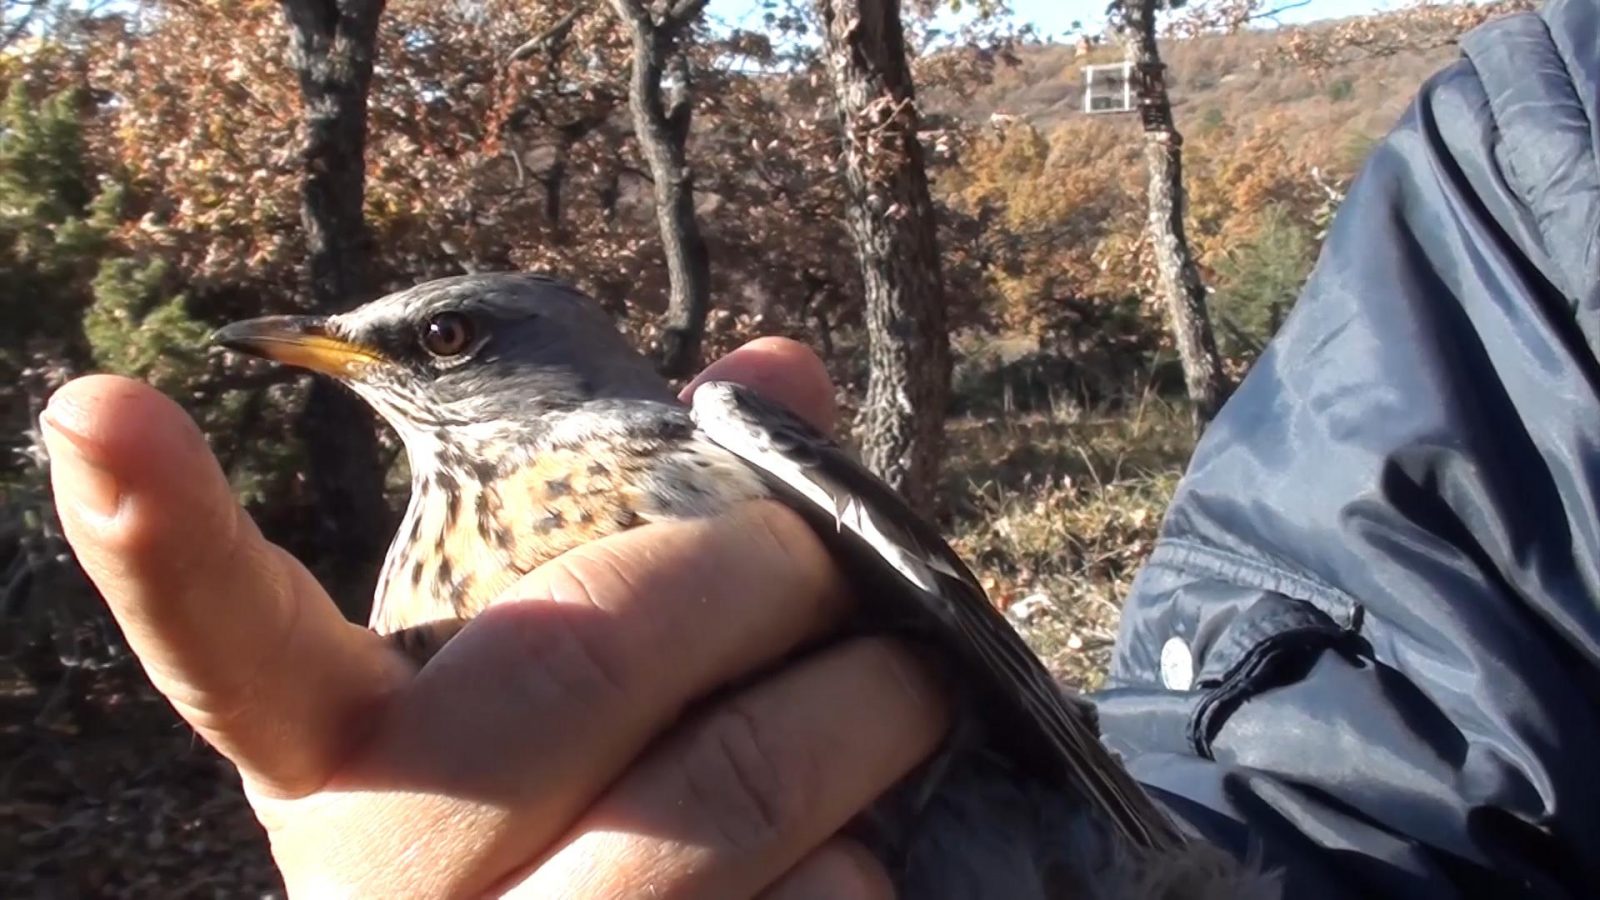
(1240, 76)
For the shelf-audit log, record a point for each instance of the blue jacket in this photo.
(1367, 647)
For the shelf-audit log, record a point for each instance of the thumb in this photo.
(231, 629)
(783, 371)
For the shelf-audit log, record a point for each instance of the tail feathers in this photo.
(991, 832)
(1196, 871)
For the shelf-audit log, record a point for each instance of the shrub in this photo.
(1258, 281)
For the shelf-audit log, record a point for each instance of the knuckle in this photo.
(785, 537)
(752, 787)
(812, 574)
(570, 647)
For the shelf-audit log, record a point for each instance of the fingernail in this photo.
(78, 478)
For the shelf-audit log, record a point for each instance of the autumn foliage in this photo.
(157, 155)
(155, 160)
(149, 165)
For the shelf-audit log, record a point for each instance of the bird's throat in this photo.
(478, 520)
(471, 531)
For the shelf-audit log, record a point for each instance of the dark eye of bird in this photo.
(447, 334)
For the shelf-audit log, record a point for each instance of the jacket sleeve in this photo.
(1366, 650)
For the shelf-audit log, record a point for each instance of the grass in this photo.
(1064, 508)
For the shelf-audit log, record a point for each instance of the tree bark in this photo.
(333, 44)
(661, 122)
(1177, 276)
(891, 220)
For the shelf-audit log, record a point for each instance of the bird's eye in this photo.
(447, 334)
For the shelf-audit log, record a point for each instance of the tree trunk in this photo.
(661, 122)
(891, 221)
(1178, 278)
(333, 46)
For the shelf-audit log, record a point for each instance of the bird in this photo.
(531, 426)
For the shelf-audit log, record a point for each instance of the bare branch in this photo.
(31, 11)
(1227, 16)
(1421, 26)
(1280, 10)
(553, 37)
(683, 12)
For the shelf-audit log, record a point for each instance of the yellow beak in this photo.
(302, 341)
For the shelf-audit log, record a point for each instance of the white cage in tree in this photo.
(1108, 88)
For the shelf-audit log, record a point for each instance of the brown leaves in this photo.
(477, 160)
(1423, 25)
(205, 133)
(1063, 211)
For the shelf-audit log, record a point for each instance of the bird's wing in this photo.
(932, 590)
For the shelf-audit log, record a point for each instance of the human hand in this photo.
(545, 750)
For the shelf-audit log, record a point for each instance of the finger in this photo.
(538, 704)
(744, 793)
(781, 370)
(841, 869)
(236, 634)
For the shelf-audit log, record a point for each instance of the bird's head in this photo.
(494, 354)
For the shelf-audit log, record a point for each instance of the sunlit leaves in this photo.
(1420, 25)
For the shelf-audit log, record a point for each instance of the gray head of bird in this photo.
(485, 356)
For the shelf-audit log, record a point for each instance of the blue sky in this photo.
(1052, 17)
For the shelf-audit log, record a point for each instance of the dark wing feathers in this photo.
(926, 577)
